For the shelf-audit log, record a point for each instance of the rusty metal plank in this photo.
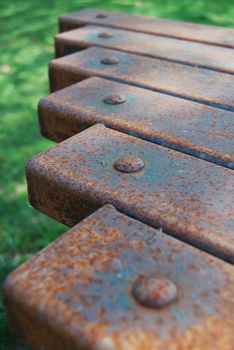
(196, 54)
(187, 197)
(116, 284)
(201, 85)
(186, 126)
(182, 30)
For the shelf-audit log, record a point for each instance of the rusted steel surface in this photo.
(86, 291)
(198, 54)
(187, 197)
(182, 30)
(201, 85)
(196, 129)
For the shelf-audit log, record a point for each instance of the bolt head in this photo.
(114, 99)
(129, 164)
(101, 15)
(154, 292)
(105, 35)
(110, 60)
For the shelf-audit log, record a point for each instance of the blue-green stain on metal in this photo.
(82, 286)
(187, 197)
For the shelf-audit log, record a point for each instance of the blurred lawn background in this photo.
(27, 28)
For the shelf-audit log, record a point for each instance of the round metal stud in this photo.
(101, 16)
(114, 99)
(110, 60)
(105, 35)
(154, 292)
(129, 164)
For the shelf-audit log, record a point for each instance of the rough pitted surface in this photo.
(187, 197)
(186, 126)
(183, 30)
(77, 293)
(201, 85)
(197, 54)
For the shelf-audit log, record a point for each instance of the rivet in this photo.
(154, 292)
(114, 99)
(129, 164)
(110, 60)
(101, 15)
(105, 35)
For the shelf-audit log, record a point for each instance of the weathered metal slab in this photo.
(202, 85)
(79, 293)
(182, 30)
(187, 197)
(186, 126)
(196, 54)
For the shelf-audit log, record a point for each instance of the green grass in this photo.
(27, 30)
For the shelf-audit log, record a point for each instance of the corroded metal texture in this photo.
(202, 85)
(182, 30)
(186, 126)
(79, 292)
(202, 55)
(187, 197)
